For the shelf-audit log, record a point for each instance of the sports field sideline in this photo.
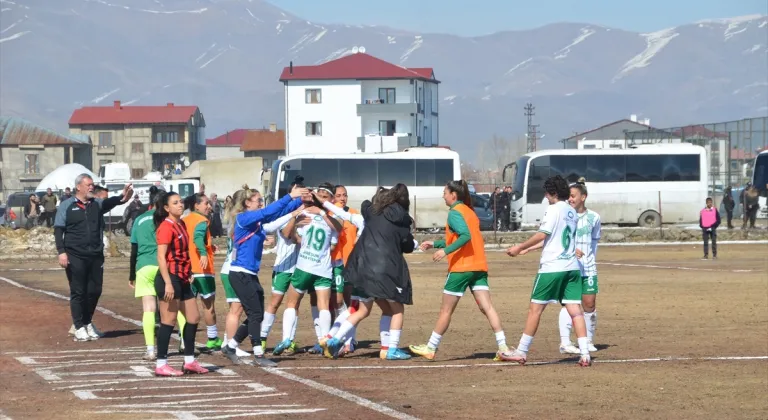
(678, 338)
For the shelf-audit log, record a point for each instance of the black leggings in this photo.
(251, 295)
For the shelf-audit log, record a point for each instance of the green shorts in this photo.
(145, 281)
(229, 292)
(204, 285)
(457, 283)
(338, 279)
(303, 281)
(563, 287)
(589, 285)
(280, 282)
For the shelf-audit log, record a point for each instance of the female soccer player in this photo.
(201, 252)
(559, 276)
(377, 268)
(467, 268)
(174, 283)
(243, 272)
(235, 308)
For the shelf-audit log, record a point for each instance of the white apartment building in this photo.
(359, 104)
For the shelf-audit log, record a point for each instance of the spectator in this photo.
(750, 205)
(217, 229)
(729, 204)
(79, 230)
(49, 208)
(67, 194)
(497, 204)
(100, 192)
(507, 196)
(709, 220)
(32, 211)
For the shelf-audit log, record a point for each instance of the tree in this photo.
(498, 152)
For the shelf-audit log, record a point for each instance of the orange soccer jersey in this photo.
(192, 220)
(347, 240)
(471, 256)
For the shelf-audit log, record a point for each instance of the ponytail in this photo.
(461, 189)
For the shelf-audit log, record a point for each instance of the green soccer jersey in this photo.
(143, 235)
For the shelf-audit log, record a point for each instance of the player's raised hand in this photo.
(297, 191)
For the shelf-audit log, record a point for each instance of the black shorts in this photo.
(181, 289)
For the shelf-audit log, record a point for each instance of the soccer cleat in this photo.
(497, 356)
(230, 354)
(195, 367)
(262, 361)
(167, 370)
(240, 352)
(591, 347)
(280, 348)
(395, 353)
(331, 348)
(383, 353)
(705, 257)
(585, 361)
(569, 349)
(292, 349)
(72, 330)
(82, 335)
(150, 356)
(350, 348)
(317, 348)
(514, 356)
(423, 350)
(93, 332)
(214, 343)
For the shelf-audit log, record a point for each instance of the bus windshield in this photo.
(514, 175)
(274, 180)
(760, 174)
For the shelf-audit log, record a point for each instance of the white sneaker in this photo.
(241, 353)
(93, 332)
(591, 347)
(569, 349)
(82, 335)
(72, 330)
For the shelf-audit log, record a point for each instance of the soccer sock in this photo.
(566, 323)
(583, 346)
(434, 340)
(337, 323)
(350, 336)
(293, 328)
(384, 323)
(394, 338)
(289, 315)
(501, 340)
(345, 328)
(324, 321)
(233, 344)
(148, 325)
(180, 320)
(266, 325)
(525, 343)
(213, 332)
(189, 359)
(590, 318)
(190, 330)
(163, 339)
(316, 319)
(256, 344)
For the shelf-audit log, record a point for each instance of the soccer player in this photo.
(313, 267)
(559, 277)
(467, 268)
(174, 283)
(201, 252)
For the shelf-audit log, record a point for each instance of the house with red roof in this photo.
(148, 138)
(359, 104)
(266, 143)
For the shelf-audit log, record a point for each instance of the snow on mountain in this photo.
(225, 56)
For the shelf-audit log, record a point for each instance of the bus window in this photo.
(318, 171)
(569, 167)
(518, 177)
(681, 168)
(425, 173)
(395, 171)
(538, 173)
(760, 174)
(444, 172)
(359, 172)
(606, 168)
(644, 168)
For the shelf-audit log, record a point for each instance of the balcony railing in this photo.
(383, 108)
(376, 143)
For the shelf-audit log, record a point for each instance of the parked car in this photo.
(483, 212)
(16, 201)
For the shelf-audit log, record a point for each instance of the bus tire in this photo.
(649, 219)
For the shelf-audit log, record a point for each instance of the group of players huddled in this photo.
(346, 260)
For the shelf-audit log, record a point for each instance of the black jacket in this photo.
(79, 226)
(376, 265)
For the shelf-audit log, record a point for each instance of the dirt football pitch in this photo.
(678, 337)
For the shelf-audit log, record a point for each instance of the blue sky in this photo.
(479, 17)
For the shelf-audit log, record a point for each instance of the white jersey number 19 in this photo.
(316, 238)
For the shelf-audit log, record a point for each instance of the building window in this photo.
(590, 146)
(615, 146)
(387, 127)
(166, 137)
(137, 173)
(387, 95)
(103, 162)
(137, 147)
(313, 96)
(31, 164)
(105, 139)
(314, 128)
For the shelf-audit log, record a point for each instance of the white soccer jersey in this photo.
(317, 239)
(587, 236)
(559, 253)
(286, 251)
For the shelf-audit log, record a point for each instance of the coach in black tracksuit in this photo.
(79, 229)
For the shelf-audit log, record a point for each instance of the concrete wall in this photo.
(12, 165)
(268, 156)
(223, 152)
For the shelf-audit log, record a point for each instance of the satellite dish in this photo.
(186, 161)
(362, 50)
(355, 50)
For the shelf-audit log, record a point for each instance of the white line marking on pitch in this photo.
(188, 415)
(255, 387)
(175, 381)
(342, 394)
(89, 395)
(666, 267)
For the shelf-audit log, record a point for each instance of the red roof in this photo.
(230, 138)
(263, 140)
(741, 154)
(700, 131)
(356, 66)
(118, 114)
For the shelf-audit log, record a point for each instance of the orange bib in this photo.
(471, 256)
(191, 221)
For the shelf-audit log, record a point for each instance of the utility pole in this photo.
(532, 135)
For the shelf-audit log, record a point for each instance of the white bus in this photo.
(633, 186)
(425, 170)
(760, 181)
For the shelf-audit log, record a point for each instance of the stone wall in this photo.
(38, 243)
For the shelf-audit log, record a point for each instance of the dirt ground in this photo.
(655, 303)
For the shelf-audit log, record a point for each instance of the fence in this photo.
(731, 146)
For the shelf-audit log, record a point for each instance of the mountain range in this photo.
(226, 55)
